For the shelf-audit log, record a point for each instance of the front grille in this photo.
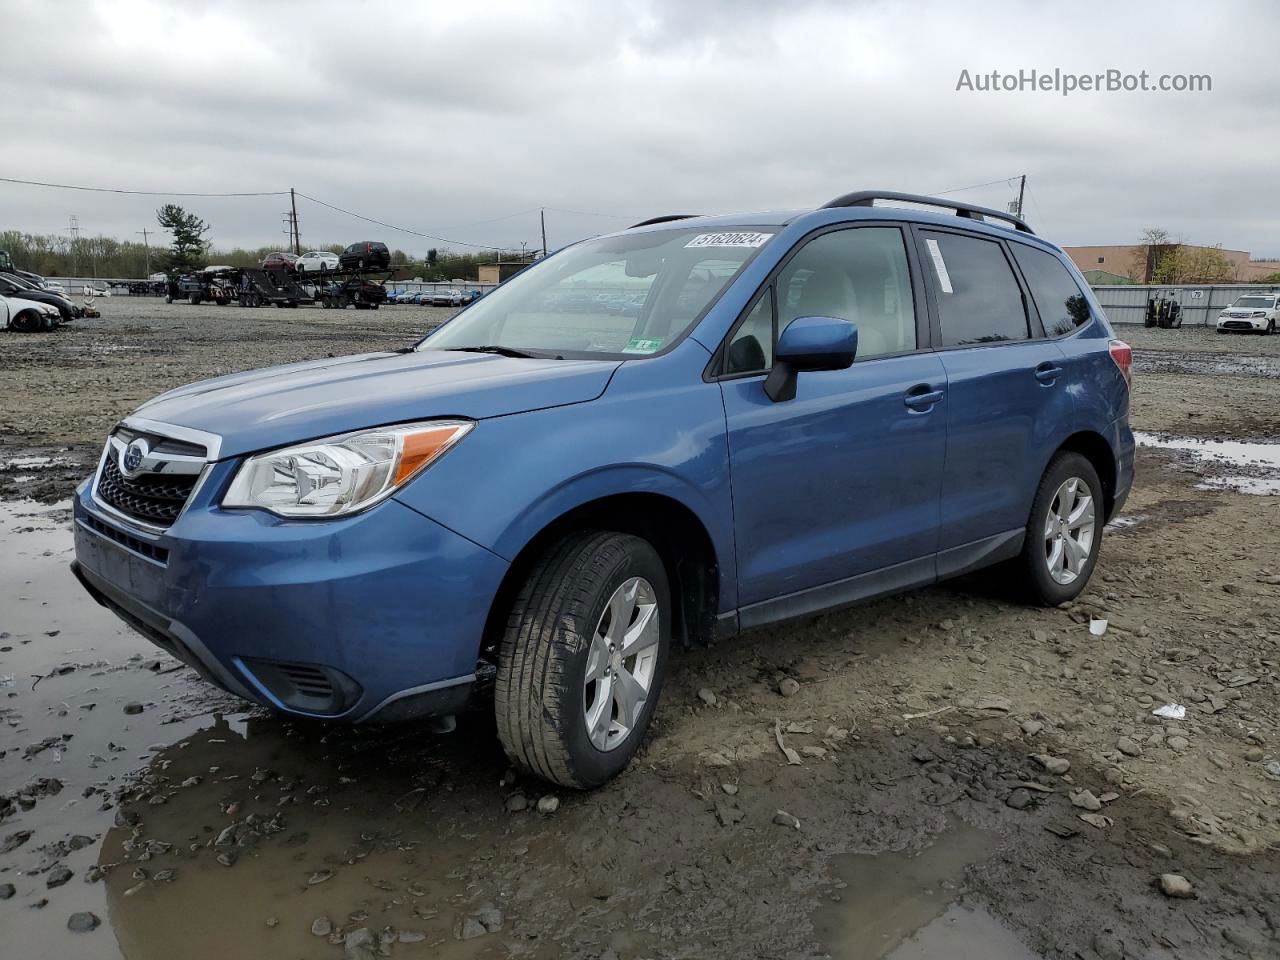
(150, 498)
(1236, 325)
(148, 550)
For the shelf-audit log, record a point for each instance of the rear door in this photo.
(835, 493)
(1007, 404)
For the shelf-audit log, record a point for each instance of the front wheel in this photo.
(1270, 328)
(581, 663)
(1064, 533)
(26, 322)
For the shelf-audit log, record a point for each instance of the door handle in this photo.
(922, 398)
(1048, 372)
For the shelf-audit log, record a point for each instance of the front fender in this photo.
(658, 429)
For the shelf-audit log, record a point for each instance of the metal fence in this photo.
(1200, 304)
(117, 286)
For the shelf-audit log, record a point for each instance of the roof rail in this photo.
(669, 217)
(867, 198)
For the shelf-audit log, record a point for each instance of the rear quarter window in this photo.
(1058, 297)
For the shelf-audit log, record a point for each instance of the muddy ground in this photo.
(949, 742)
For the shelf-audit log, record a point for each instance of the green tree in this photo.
(187, 250)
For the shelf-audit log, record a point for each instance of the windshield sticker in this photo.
(641, 345)
(729, 240)
(940, 265)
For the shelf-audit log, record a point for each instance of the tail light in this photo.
(1122, 354)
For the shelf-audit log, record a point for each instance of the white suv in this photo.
(1253, 311)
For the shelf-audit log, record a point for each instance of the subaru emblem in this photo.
(132, 456)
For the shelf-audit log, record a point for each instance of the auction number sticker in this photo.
(729, 240)
(940, 265)
(642, 345)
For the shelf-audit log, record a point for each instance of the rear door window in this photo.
(979, 300)
(1058, 298)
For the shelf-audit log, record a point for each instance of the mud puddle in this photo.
(1228, 464)
(901, 905)
(67, 670)
(1205, 364)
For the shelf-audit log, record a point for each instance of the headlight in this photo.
(343, 474)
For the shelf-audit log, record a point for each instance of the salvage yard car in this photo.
(526, 509)
(1253, 312)
(316, 260)
(365, 255)
(12, 286)
(26, 316)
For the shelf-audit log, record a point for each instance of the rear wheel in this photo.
(1064, 533)
(581, 663)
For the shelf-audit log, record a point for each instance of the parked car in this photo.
(1253, 312)
(26, 316)
(524, 511)
(365, 255)
(11, 286)
(446, 297)
(317, 260)
(54, 286)
(280, 260)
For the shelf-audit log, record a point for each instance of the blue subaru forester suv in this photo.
(692, 427)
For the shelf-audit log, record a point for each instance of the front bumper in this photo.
(1242, 323)
(376, 615)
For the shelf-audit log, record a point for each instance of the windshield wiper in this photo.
(499, 350)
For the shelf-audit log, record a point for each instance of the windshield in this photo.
(628, 295)
(1255, 302)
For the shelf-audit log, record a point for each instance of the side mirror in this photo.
(810, 343)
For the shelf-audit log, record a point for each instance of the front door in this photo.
(837, 489)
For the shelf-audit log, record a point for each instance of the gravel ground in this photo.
(973, 777)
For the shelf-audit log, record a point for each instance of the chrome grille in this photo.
(148, 477)
(149, 498)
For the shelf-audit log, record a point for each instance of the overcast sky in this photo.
(439, 116)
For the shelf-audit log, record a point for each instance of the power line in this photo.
(141, 193)
(607, 216)
(392, 226)
(989, 183)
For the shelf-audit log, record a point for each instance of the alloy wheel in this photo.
(621, 663)
(1069, 530)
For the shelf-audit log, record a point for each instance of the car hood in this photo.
(262, 409)
(23, 303)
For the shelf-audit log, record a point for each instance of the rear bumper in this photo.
(376, 616)
(1125, 448)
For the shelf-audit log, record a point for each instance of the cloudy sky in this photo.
(461, 120)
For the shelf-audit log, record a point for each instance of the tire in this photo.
(1036, 564)
(25, 322)
(556, 631)
(1269, 329)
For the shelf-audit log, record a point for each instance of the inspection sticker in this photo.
(729, 240)
(940, 265)
(641, 345)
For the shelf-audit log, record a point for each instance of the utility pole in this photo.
(146, 246)
(542, 217)
(297, 235)
(1022, 187)
(75, 243)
